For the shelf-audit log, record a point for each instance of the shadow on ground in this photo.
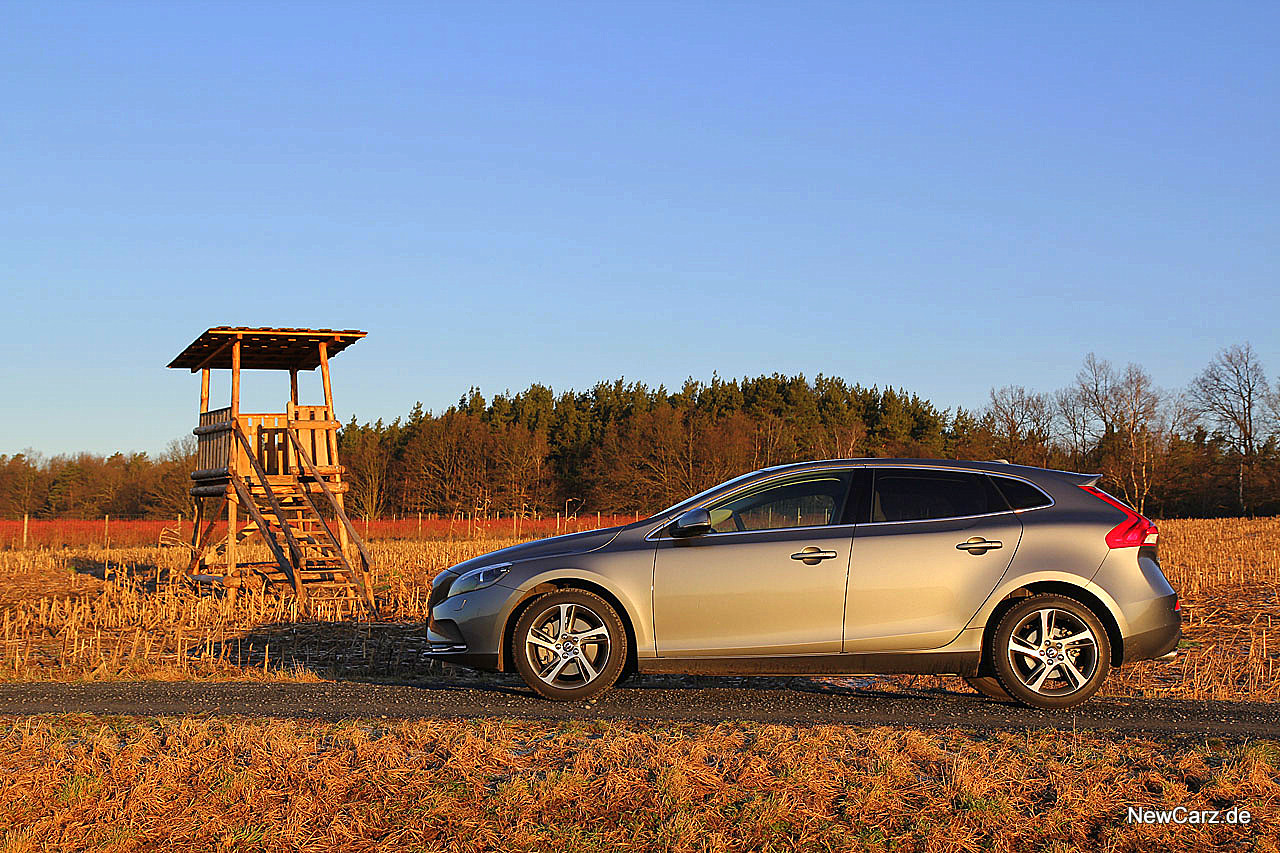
(148, 577)
(395, 653)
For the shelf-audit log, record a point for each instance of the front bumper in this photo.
(466, 629)
(438, 645)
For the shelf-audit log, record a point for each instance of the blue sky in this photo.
(944, 197)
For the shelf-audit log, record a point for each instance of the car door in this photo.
(930, 547)
(769, 579)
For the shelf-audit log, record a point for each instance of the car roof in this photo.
(1030, 472)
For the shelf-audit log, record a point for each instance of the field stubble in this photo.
(82, 783)
(99, 614)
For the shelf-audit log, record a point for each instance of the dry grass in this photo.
(76, 783)
(94, 614)
(1227, 572)
(82, 783)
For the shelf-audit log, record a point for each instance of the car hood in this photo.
(556, 546)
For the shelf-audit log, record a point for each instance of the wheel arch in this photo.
(1089, 598)
(556, 584)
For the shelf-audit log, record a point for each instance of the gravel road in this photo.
(798, 702)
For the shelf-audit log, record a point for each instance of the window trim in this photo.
(658, 533)
(1047, 496)
(956, 517)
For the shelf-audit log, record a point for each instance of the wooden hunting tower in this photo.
(276, 473)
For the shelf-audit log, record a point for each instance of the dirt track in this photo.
(801, 703)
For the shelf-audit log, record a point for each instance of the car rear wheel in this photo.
(570, 645)
(1050, 652)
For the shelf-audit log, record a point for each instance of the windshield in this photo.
(690, 502)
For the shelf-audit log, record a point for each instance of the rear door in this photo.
(747, 588)
(930, 547)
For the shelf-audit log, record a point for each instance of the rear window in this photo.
(919, 495)
(1021, 494)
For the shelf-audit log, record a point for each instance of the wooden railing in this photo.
(317, 432)
(213, 444)
(268, 435)
(218, 455)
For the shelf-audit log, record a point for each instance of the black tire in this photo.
(989, 686)
(579, 669)
(1069, 671)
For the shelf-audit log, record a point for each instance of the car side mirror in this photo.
(695, 522)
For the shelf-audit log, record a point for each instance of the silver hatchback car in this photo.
(1029, 583)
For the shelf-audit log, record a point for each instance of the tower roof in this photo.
(264, 348)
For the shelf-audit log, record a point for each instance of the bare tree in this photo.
(1231, 396)
(520, 455)
(1021, 423)
(1126, 420)
(1071, 420)
(446, 464)
(169, 492)
(368, 459)
(23, 492)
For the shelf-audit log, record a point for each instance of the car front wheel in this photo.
(1050, 652)
(570, 645)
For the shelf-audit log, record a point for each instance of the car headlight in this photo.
(478, 578)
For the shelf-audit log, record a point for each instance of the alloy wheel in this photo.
(568, 646)
(1053, 652)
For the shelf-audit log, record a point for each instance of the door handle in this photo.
(812, 555)
(978, 545)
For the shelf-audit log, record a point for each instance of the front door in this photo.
(934, 545)
(769, 579)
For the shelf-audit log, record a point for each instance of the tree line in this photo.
(1210, 449)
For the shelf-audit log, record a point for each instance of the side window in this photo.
(807, 500)
(1020, 494)
(906, 494)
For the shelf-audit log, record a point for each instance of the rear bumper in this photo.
(1153, 643)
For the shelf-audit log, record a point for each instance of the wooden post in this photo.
(290, 415)
(331, 436)
(25, 518)
(293, 385)
(235, 378)
(324, 377)
(106, 531)
(233, 463)
(231, 537)
(204, 390)
(197, 551)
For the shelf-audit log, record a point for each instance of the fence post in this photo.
(419, 524)
(25, 518)
(106, 531)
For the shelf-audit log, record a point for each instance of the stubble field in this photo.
(78, 782)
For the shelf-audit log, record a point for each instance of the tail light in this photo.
(1134, 532)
